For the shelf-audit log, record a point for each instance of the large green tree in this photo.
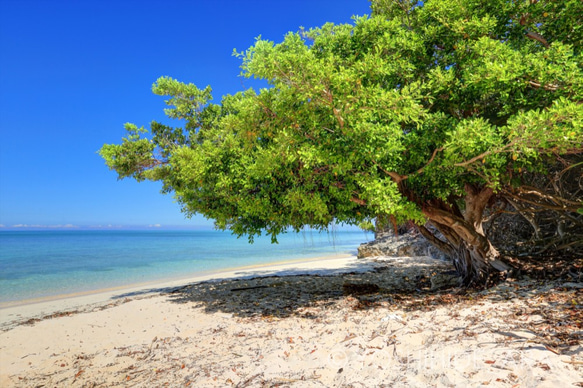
(423, 112)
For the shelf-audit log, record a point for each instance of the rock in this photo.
(366, 250)
(444, 280)
(412, 256)
(408, 244)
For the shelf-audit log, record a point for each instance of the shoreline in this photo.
(59, 264)
(13, 312)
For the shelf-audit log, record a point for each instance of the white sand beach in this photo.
(334, 322)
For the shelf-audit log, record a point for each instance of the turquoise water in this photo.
(36, 264)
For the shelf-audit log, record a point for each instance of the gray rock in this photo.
(408, 244)
(411, 256)
(365, 250)
(444, 280)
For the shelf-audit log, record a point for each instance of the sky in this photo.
(72, 72)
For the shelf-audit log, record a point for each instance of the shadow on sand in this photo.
(408, 284)
(284, 293)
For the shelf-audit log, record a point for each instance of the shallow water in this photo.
(35, 264)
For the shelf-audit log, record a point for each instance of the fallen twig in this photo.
(246, 382)
(573, 362)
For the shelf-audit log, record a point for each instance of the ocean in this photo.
(38, 264)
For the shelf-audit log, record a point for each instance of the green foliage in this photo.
(372, 118)
(133, 157)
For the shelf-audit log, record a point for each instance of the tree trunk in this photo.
(473, 255)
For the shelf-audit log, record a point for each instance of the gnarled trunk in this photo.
(474, 256)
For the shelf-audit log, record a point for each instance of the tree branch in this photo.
(484, 154)
(538, 38)
(549, 87)
(419, 171)
(399, 178)
(554, 198)
(533, 35)
(396, 177)
(540, 204)
(459, 225)
(441, 245)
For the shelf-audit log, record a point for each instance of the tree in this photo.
(425, 112)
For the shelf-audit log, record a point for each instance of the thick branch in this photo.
(533, 35)
(476, 201)
(358, 201)
(549, 87)
(538, 38)
(396, 177)
(562, 208)
(450, 235)
(554, 198)
(543, 205)
(459, 225)
(441, 245)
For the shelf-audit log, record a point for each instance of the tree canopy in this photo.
(424, 111)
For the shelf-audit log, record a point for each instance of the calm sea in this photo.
(37, 264)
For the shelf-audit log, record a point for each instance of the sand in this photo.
(340, 322)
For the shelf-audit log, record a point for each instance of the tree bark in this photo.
(473, 255)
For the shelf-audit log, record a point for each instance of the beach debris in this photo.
(574, 362)
(392, 317)
(246, 383)
(349, 337)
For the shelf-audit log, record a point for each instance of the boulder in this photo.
(408, 244)
(444, 280)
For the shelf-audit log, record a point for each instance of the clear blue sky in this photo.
(73, 72)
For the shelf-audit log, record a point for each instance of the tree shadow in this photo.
(254, 273)
(381, 283)
(286, 293)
